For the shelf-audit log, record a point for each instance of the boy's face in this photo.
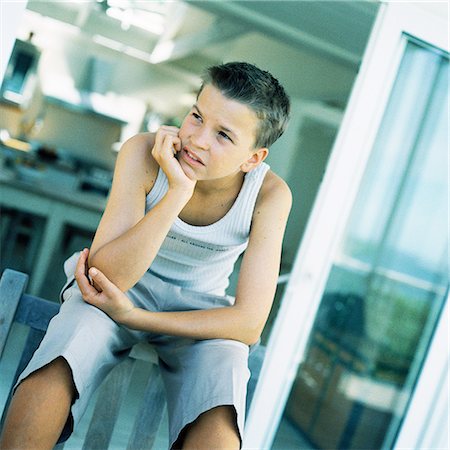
(220, 134)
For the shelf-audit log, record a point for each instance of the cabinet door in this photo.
(371, 272)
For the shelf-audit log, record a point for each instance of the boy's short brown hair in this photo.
(257, 89)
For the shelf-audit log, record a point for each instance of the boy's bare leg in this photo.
(214, 429)
(39, 408)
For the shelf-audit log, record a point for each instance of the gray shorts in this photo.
(198, 374)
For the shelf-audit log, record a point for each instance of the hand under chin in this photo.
(187, 169)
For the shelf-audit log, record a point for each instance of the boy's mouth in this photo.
(191, 157)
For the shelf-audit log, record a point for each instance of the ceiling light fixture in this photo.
(150, 21)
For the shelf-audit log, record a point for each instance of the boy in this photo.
(183, 205)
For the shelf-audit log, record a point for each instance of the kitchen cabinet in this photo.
(344, 392)
(61, 206)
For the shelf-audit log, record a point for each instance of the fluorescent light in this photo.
(146, 20)
(162, 52)
(110, 43)
(122, 48)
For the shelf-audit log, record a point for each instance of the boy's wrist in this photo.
(181, 195)
(129, 319)
(138, 319)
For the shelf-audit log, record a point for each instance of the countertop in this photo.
(56, 191)
(49, 180)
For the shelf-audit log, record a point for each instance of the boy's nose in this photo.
(200, 139)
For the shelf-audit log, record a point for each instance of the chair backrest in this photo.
(16, 306)
(149, 404)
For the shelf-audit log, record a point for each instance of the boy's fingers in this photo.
(170, 129)
(80, 275)
(81, 265)
(85, 287)
(171, 144)
(177, 144)
(100, 278)
(162, 133)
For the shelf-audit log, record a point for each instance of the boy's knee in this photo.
(215, 427)
(223, 415)
(57, 375)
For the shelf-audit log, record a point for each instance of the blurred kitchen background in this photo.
(85, 76)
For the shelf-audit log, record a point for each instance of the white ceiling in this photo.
(336, 29)
(313, 47)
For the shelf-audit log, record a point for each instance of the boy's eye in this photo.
(224, 135)
(196, 116)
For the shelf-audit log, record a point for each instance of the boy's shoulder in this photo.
(140, 141)
(138, 149)
(272, 206)
(274, 190)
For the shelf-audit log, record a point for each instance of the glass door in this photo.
(388, 278)
(371, 276)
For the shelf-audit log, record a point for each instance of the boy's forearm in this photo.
(125, 259)
(218, 323)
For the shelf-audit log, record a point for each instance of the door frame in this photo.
(326, 225)
(425, 424)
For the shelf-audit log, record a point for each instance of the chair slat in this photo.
(12, 286)
(255, 362)
(36, 312)
(150, 414)
(32, 343)
(110, 397)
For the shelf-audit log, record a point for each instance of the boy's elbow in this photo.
(98, 263)
(253, 340)
(249, 328)
(252, 336)
(95, 261)
(115, 278)
(247, 340)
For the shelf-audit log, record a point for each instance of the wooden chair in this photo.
(36, 313)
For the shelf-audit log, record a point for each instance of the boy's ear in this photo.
(255, 160)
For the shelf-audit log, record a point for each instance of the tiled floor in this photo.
(287, 438)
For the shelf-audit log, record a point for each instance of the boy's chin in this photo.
(188, 170)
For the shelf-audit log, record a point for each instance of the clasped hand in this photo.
(111, 300)
(167, 145)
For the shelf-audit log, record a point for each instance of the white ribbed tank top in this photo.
(202, 258)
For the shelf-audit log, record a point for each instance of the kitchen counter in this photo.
(55, 195)
(52, 190)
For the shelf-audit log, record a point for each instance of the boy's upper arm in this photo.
(134, 175)
(261, 262)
